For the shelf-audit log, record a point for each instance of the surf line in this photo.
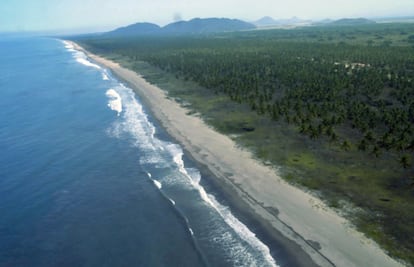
(184, 220)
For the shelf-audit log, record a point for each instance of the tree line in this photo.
(358, 96)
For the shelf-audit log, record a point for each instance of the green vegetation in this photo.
(332, 107)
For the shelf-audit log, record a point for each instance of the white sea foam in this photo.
(241, 229)
(157, 184)
(68, 45)
(80, 56)
(115, 101)
(150, 159)
(83, 59)
(86, 62)
(105, 76)
(172, 201)
(135, 124)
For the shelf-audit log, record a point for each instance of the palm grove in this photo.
(349, 89)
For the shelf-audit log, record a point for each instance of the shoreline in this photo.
(286, 214)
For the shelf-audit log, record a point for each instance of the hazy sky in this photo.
(44, 15)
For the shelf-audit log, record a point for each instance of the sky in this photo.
(100, 15)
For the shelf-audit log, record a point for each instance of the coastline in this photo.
(280, 208)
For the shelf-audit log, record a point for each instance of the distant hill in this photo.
(194, 26)
(346, 21)
(265, 21)
(141, 28)
(209, 25)
(269, 21)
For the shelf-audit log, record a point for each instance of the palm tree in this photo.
(362, 145)
(405, 161)
(345, 145)
(376, 151)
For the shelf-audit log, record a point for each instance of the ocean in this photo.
(89, 178)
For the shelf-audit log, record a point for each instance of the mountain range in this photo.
(194, 26)
(217, 25)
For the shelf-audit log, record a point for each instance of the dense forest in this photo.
(346, 90)
(324, 89)
(314, 87)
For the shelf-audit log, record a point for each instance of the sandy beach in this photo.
(304, 221)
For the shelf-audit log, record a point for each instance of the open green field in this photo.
(332, 108)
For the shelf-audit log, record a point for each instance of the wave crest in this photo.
(155, 152)
(115, 101)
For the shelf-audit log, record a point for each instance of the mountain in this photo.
(269, 21)
(141, 28)
(347, 21)
(265, 21)
(194, 26)
(197, 26)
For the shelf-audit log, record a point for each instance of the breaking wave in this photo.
(135, 123)
(115, 101)
(163, 155)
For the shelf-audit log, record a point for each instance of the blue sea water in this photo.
(87, 177)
